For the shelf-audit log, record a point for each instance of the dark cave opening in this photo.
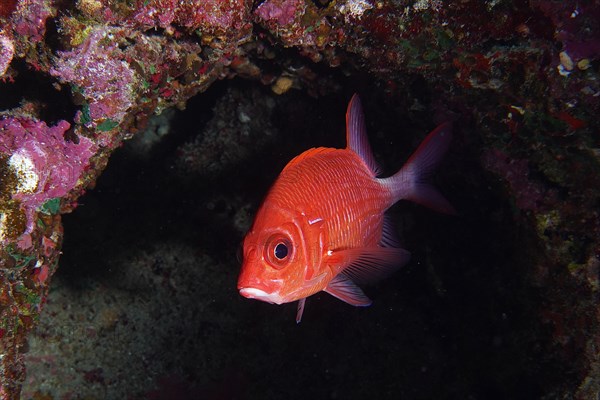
(457, 322)
(53, 102)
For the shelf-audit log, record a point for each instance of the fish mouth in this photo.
(258, 294)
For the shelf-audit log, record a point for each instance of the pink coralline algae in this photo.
(98, 71)
(7, 51)
(528, 194)
(212, 16)
(46, 166)
(282, 11)
(296, 23)
(29, 19)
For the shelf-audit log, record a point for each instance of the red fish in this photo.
(322, 225)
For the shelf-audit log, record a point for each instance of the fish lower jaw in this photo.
(258, 294)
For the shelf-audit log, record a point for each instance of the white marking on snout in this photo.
(258, 294)
(252, 293)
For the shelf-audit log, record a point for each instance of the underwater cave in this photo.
(139, 139)
(145, 300)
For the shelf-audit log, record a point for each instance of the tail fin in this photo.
(411, 182)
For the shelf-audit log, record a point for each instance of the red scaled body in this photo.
(322, 225)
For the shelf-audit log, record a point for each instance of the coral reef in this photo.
(39, 168)
(7, 51)
(520, 78)
(101, 76)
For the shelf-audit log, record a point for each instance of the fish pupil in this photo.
(281, 251)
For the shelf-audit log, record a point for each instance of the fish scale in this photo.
(352, 204)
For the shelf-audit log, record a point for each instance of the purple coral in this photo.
(98, 70)
(45, 164)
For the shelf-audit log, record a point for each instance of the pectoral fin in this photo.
(369, 264)
(346, 290)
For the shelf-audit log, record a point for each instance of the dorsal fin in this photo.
(356, 134)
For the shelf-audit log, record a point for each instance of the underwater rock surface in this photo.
(503, 299)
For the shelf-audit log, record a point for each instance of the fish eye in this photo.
(278, 251)
(281, 251)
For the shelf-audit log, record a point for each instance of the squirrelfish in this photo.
(322, 225)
